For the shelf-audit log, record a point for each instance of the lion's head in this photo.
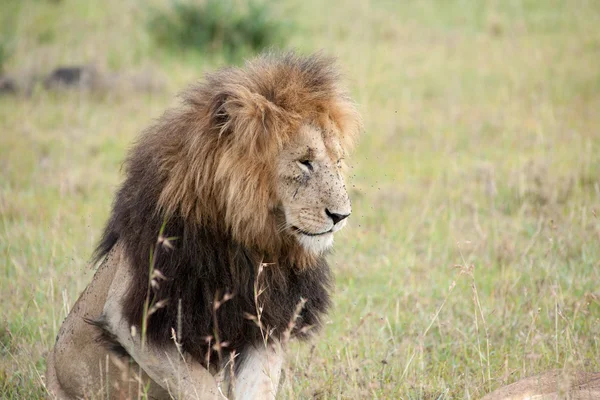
(259, 151)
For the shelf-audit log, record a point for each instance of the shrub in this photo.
(231, 27)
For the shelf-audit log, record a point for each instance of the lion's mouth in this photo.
(298, 230)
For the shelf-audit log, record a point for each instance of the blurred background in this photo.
(472, 256)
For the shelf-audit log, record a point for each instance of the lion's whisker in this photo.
(283, 226)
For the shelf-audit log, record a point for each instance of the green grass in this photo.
(233, 28)
(473, 254)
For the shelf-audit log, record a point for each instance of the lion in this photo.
(551, 385)
(214, 255)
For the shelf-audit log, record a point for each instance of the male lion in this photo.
(214, 252)
(551, 385)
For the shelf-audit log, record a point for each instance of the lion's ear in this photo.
(255, 122)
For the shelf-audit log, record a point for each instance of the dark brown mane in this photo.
(203, 176)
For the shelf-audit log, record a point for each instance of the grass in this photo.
(231, 27)
(472, 257)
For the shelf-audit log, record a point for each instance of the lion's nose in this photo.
(336, 217)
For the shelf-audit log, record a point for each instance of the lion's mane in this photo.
(203, 176)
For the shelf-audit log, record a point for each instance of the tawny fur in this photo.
(223, 177)
(552, 385)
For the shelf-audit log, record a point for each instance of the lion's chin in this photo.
(316, 244)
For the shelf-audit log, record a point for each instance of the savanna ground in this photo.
(473, 254)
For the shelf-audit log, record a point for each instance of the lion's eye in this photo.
(306, 164)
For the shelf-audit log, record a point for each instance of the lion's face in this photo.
(311, 189)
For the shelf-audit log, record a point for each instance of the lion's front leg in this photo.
(258, 372)
(183, 377)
